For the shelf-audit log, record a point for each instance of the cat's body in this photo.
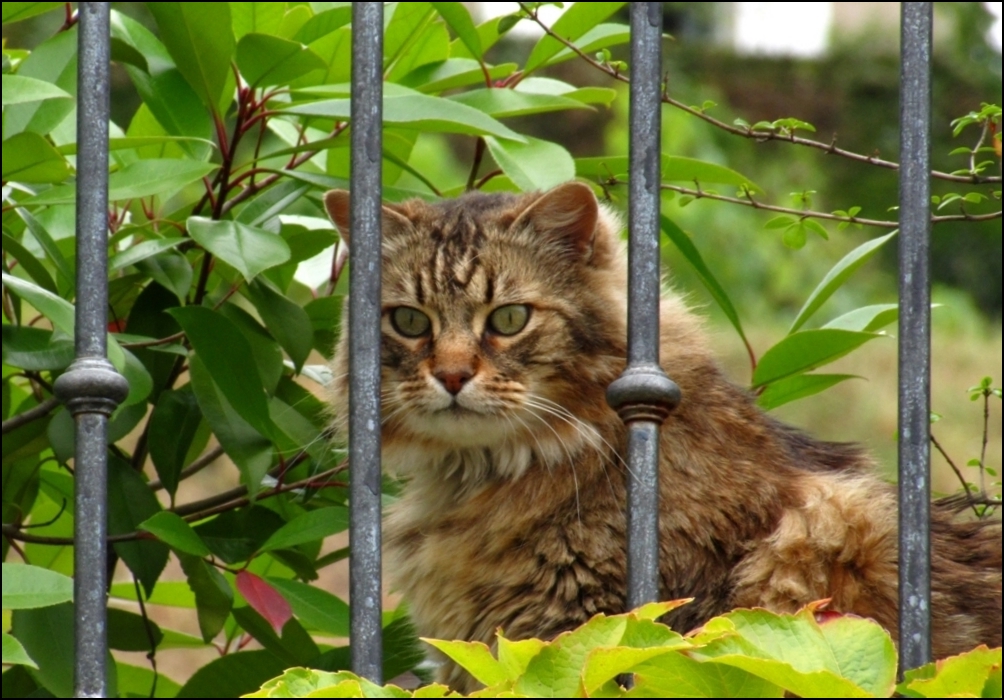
(513, 512)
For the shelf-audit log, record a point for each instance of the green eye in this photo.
(409, 322)
(509, 320)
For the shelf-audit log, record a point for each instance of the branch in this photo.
(479, 154)
(972, 500)
(761, 136)
(316, 481)
(192, 469)
(154, 343)
(29, 416)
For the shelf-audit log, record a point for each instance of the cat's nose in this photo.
(454, 381)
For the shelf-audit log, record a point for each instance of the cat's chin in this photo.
(459, 428)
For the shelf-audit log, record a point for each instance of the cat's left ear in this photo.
(336, 202)
(569, 213)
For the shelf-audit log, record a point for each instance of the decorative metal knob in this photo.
(91, 385)
(644, 393)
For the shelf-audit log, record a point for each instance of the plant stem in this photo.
(192, 469)
(29, 416)
(958, 473)
(479, 154)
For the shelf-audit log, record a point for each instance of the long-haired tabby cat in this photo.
(503, 324)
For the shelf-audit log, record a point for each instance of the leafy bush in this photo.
(747, 653)
(226, 292)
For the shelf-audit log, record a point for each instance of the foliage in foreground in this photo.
(744, 654)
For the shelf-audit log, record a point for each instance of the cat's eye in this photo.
(409, 322)
(509, 320)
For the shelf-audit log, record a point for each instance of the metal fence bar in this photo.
(643, 395)
(364, 334)
(91, 388)
(915, 337)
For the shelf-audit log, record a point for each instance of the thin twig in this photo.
(154, 343)
(958, 473)
(152, 655)
(479, 154)
(192, 469)
(749, 133)
(29, 416)
(986, 431)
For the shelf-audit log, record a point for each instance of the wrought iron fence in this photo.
(643, 396)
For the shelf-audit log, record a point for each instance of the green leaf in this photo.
(227, 355)
(19, 11)
(534, 165)
(267, 353)
(309, 527)
(57, 310)
(14, 654)
(836, 277)
(261, 210)
(959, 676)
(805, 351)
(54, 61)
(261, 17)
(238, 675)
(213, 596)
(286, 321)
(475, 658)
(674, 168)
(817, 228)
(201, 42)
(546, 675)
(459, 19)
(35, 349)
(843, 657)
(798, 387)
(173, 426)
(249, 250)
(172, 594)
(18, 90)
(325, 315)
(250, 451)
(139, 252)
(869, 319)
(315, 608)
(136, 682)
(795, 236)
(501, 103)
(44, 636)
(579, 19)
(295, 683)
(128, 631)
(171, 270)
(237, 535)
(430, 45)
(35, 269)
(51, 248)
(130, 503)
(266, 60)
(682, 241)
(29, 587)
(602, 36)
(143, 178)
(676, 675)
(417, 111)
(323, 23)
(140, 381)
(28, 157)
(176, 534)
(779, 222)
(295, 647)
(453, 73)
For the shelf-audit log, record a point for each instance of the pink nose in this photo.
(454, 381)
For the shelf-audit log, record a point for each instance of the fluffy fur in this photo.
(512, 514)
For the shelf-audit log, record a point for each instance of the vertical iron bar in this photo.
(915, 338)
(91, 388)
(643, 395)
(364, 335)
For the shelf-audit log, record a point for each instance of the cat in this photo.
(504, 322)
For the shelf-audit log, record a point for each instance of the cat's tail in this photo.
(966, 580)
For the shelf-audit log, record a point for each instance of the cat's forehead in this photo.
(460, 249)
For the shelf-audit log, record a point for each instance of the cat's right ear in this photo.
(336, 202)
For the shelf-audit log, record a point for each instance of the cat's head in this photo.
(503, 323)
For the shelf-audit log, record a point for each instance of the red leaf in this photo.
(264, 600)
